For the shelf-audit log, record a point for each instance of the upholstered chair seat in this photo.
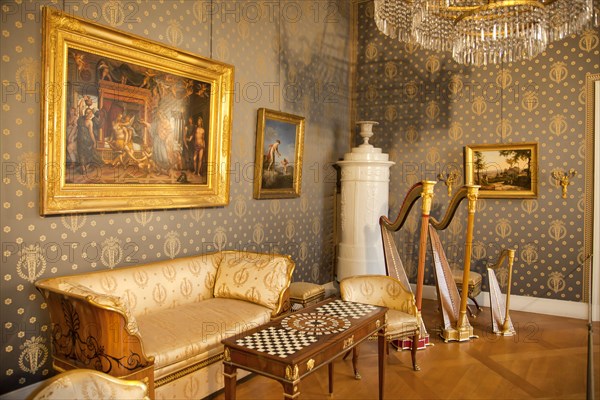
(473, 287)
(399, 323)
(303, 294)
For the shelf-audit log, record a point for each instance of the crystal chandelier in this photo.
(480, 32)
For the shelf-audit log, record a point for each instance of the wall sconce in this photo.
(563, 179)
(449, 180)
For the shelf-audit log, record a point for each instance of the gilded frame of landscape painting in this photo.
(503, 170)
(128, 123)
(279, 151)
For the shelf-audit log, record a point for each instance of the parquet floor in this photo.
(547, 359)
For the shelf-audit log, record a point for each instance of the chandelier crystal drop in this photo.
(501, 32)
(433, 21)
(569, 17)
(394, 19)
(481, 32)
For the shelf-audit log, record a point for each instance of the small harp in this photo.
(393, 263)
(501, 323)
(456, 325)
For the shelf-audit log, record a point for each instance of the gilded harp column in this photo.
(464, 329)
(365, 176)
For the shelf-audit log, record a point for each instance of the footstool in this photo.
(305, 293)
(474, 287)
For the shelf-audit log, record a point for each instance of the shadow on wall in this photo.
(414, 97)
(315, 72)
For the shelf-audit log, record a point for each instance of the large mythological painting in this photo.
(131, 124)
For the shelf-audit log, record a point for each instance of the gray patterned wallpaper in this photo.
(430, 107)
(291, 56)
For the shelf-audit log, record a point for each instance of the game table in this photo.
(290, 348)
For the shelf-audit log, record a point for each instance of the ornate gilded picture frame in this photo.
(129, 124)
(279, 148)
(503, 170)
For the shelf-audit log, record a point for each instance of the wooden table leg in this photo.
(355, 363)
(230, 374)
(290, 390)
(331, 378)
(381, 355)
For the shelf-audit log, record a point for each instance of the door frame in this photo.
(592, 196)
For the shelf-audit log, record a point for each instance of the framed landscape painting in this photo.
(503, 170)
(278, 161)
(128, 123)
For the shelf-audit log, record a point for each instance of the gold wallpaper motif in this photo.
(294, 63)
(429, 108)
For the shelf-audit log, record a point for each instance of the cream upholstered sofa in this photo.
(163, 322)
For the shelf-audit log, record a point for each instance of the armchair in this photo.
(89, 384)
(402, 318)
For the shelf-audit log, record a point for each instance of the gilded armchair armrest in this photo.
(94, 331)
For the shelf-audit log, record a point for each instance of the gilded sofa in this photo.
(89, 384)
(163, 322)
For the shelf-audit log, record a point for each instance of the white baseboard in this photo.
(559, 308)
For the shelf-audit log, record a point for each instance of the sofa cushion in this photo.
(258, 278)
(192, 333)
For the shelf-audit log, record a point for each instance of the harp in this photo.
(393, 263)
(453, 305)
(501, 323)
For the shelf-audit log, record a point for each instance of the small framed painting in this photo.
(279, 148)
(503, 170)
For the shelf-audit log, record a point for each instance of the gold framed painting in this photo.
(279, 149)
(129, 124)
(503, 170)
